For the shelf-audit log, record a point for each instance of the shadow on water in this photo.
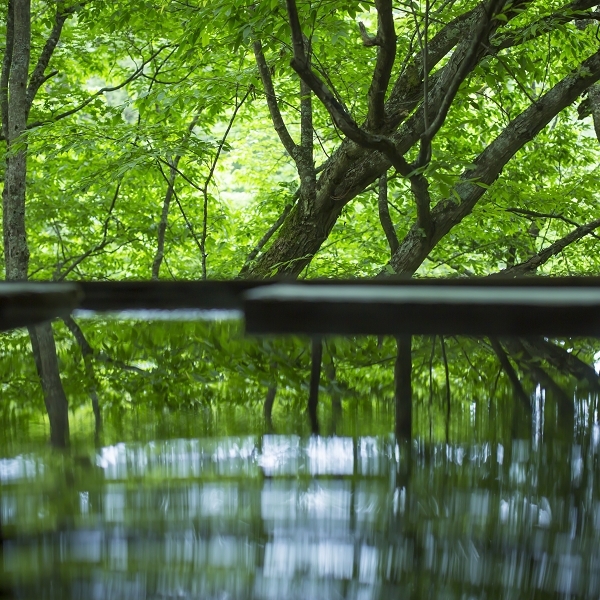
(445, 468)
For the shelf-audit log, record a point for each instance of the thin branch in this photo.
(238, 105)
(180, 173)
(386, 55)
(101, 91)
(87, 353)
(470, 363)
(185, 218)
(162, 225)
(6, 63)
(384, 215)
(37, 77)
(102, 244)
(531, 265)
(267, 81)
(464, 69)
(540, 215)
(513, 75)
(268, 235)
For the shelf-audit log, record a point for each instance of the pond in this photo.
(209, 501)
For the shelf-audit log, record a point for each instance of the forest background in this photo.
(219, 139)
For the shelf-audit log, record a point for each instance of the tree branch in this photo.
(162, 225)
(306, 126)
(6, 63)
(267, 81)
(407, 91)
(37, 77)
(306, 161)
(594, 98)
(339, 114)
(384, 215)
(76, 331)
(466, 65)
(101, 91)
(268, 235)
(540, 215)
(511, 374)
(209, 177)
(531, 265)
(562, 360)
(566, 14)
(539, 375)
(386, 55)
(346, 123)
(489, 164)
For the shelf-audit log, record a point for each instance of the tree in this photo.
(463, 54)
(18, 90)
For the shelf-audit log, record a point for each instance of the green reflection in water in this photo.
(288, 516)
(188, 492)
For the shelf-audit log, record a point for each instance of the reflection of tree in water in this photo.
(178, 366)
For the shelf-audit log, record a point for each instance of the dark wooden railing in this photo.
(527, 306)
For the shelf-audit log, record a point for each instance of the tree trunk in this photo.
(16, 251)
(15, 110)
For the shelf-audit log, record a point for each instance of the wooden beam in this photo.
(23, 304)
(164, 295)
(554, 309)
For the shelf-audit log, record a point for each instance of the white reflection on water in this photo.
(20, 467)
(287, 517)
(179, 314)
(330, 456)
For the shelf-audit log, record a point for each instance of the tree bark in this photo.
(16, 251)
(16, 103)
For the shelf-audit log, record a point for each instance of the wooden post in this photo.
(403, 388)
